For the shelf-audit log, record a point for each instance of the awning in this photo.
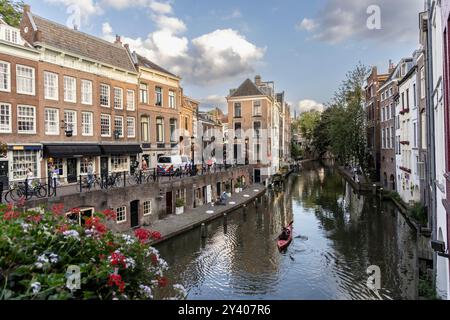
(72, 150)
(121, 149)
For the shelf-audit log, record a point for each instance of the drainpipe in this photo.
(430, 133)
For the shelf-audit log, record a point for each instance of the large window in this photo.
(5, 76)
(257, 129)
(257, 108)
(22, 161)
(173, 130)
(172, 103)
(145, 129)
(158, 96)
(26, 119)
(121, 214)
(119, 163)
(50, 86)
(104, 95)
(130, 100)
(86, 92)
(70, 119)
(392, 138)
(84, 164)
(237, 110)
(143, 92)
(105, 125)
(25, 80)
(51, 121)
(160, 130)
(257, 152)
(118, 98)
(118, 125)
(422, 83)
(238, 130)
(131, 127)
(5, 118)
(87, 124)
(70, 89)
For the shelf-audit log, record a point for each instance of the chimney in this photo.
(118, 40)
(258, 80)
(391, 66)
(26, 8)
(38, 36)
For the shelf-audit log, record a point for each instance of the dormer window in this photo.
(11, 35)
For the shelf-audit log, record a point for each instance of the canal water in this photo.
(340, 234)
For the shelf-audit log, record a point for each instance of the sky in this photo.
(305, 46)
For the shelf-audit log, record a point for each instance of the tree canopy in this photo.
(11, 12)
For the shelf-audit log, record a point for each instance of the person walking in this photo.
(90, 174)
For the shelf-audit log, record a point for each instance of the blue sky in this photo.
(305, 46)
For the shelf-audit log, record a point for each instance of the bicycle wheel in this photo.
(40, 191)
(17, 194)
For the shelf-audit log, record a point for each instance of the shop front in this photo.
(121, 158)
(23, 161)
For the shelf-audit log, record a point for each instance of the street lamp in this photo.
(246, 151)
(193, 155)
(203, 146)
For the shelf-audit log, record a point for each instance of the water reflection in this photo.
(340, 234)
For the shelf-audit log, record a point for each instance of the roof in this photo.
(82, 44)
(144, 62)
(247, 88)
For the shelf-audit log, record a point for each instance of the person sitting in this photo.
(223, 199)
(285, 234)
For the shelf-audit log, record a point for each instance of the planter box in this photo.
(179, 210)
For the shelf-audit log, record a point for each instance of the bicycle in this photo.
(23, 190)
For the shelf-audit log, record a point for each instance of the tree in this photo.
(306, 126)
(11, 12)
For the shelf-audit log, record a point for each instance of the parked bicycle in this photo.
(27, 190)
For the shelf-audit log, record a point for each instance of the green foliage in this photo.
(180, 203)
(11, 12)
(426, 288)
(419, 213)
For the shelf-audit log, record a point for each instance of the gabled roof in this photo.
(82, 44)
(144, 62)
(247, 88)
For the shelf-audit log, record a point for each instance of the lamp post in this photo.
(193, 155)
(246, 152)
(203, 151)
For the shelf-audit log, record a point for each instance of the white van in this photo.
(168, 165)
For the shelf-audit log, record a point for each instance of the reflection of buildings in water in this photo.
(354, 202)
(321, 174)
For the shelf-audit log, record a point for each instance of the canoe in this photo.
(284, 244)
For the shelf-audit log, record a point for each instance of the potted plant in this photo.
(228, 189)
(237, 187)
(179, 206)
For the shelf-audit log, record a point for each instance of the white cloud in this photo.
(161, 7)
(107, 29)
(342, 20)
(169, 24)
(310, 105)
(214, 101)
(78, 9)
(236, 14)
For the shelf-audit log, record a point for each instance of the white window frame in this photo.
(147, 208)
(131, 100)
(72, 91)
(51, 86)
(108, 87)
(161, 93)
(122, 135)
(33, 80)
(143, 98)
(172, 99)
(47, 122)
(3, 116)
(83, 124)
(86, 92)
(102, 117)
(119, 212)
(7, 74)
(257, 114)
(118, 98)
(162, 140)
(34, 119)
(73, 123)
(133, 133)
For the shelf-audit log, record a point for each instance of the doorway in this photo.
(72, 170)
(169, 203)
(134, 211)
(104, 166)
(257, 176)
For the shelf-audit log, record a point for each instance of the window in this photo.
(383, 139)
(172, 102)
(131, 127)
(70, 89)
(25, 80)
(422, 83)
(121, 214)
(173, 129)
(415, 95)
(84, 164)
(159, 130)
(86, 92)
(5, 76)
(143, 90)
(257, 152)
(70, 119)
(118, 126)
(415, 134)
(26, 119)
(257, 108)
(238, 130)
(119, 163)
(388, 141)
(158, 97)
(51, 121)
(407, 98)
(186, 123)
(50, 86)
(392, 111)
(237, 110)
(130, 100)
(22, 161)
(147, 208)
(145, 126)
(5, 118)
(87, 124)
(105, 125)
(256, 129)
(382, 114)
(104, 95)
(392, 138)
(118, 98)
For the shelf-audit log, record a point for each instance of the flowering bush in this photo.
(38, 251)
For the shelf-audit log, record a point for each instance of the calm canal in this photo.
(339, 235)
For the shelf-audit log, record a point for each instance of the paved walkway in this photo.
(175, 225)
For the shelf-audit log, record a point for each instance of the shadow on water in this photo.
(339, 234)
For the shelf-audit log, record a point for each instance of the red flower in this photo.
(110, 214)
(58, 209)
(118, 259)
(34, 218)
(9, 215)
(75, 211)
(163, 282)
(154, 259)
(143, 235)
(63, 228)
(95, 224)
(21, 202)
(156, 235)
(116, 279)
